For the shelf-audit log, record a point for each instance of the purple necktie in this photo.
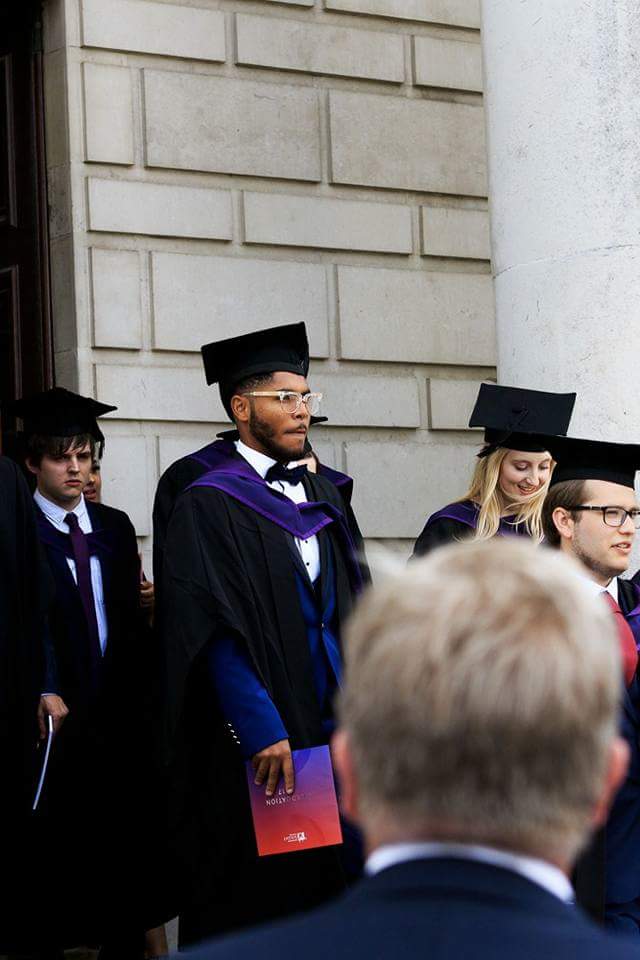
(80, 549)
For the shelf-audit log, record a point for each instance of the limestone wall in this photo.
(220, 165)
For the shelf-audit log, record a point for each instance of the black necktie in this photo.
(279, 472)
(80, 549)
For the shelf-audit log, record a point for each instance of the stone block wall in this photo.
(216, 166)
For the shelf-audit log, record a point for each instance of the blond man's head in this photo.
(481, 700)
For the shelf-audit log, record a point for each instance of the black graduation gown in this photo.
(455, 523)
(186, 471)
(94, 812)
(439, 534)
(226, 568)
(25, 589)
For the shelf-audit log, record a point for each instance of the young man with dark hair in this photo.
(90, 815)
(191, 467)
(260, 571)
(591, 513)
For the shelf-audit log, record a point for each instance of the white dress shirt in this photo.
(56, 516)
(595, 589)
(309, 549)
(541, 872)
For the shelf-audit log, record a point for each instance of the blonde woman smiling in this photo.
(512, 474)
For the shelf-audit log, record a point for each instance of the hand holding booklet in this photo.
(45, 764)
(302, 820)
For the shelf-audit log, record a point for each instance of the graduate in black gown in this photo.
(189, 468)
(260, 571)
(592, 514)
(511, 476)
(25, 592)
(91, 820)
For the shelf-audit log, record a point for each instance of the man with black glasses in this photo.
(592, 513)
(259, 571)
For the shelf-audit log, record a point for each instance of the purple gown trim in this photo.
(98, 540)
(235, 477)
(342, 481)
(218, 452)
(467, 513)
(213, 454)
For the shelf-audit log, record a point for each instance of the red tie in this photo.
(626, 639)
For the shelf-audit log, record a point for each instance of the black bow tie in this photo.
(279, 472)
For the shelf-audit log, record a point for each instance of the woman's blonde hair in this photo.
(485, 492)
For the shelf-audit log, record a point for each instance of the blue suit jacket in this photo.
(441, 909)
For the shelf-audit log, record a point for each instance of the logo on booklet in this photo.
(296, 837)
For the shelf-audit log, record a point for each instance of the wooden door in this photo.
(26, 360)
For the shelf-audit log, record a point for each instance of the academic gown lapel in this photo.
(329, 540)
(279, 559)
(323, 542)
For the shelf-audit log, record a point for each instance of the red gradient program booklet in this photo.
(306, 819)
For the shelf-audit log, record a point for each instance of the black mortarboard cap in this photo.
(60, 413)
(578, 459)
(227, 362)
(514, 417)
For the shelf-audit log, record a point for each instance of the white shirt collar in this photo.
(541, 872)
(57, 514)
(259, 461)
(596, 588)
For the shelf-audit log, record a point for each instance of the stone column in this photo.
(562, 81)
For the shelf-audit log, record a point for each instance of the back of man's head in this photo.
(481, 701)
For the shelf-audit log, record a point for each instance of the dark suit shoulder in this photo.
(109, 516)
(437, 912)
(181, 473)
(323, 489)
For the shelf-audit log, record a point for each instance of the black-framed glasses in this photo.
(290, 400)
(614, 516)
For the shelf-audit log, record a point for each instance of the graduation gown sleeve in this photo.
(172, 482)
(26, 590)
(25, 593)
(438, 533)
(212, 590)
(244, 702)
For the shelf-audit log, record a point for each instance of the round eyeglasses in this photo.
(614, 516)
(290, 400)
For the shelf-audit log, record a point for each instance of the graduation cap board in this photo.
(578, 459)
(515, 418)
(60, 413)
(227, 362)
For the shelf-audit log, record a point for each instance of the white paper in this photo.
(45, 764)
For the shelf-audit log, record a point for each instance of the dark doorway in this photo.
(26, 357)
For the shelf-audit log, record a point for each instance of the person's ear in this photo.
(617, 766)
(240, 408)
(30, 466)
(563, 522)
(347, 780)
